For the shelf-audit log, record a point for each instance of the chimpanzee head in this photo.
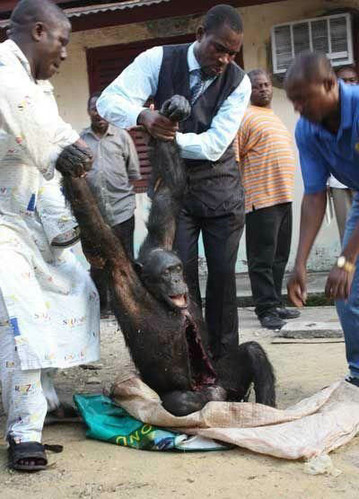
(162, 274)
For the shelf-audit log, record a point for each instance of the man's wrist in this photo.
(300, 265)
(141, 118)
(344, 263)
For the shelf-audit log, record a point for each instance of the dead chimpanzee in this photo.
(162, 326)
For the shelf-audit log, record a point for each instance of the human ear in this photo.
(329, 83)
(200, 33)
(38, 31)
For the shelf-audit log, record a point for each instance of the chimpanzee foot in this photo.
(183, 403)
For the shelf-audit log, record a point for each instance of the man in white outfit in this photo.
(49, 308)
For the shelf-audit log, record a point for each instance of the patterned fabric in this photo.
(26, 395)
(198, 85)
(267, 160)
(49, 300)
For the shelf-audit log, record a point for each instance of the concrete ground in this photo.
(93, 469)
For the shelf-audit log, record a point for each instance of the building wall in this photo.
(71, 87)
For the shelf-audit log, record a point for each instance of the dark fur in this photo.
(165, 341)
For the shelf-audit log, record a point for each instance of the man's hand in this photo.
(297, 287)
(75, 160)
(158, 125)
(339, 283)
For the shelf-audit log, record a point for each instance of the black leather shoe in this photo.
(272, 321)
(286, 313)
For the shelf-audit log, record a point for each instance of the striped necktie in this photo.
(197, 87)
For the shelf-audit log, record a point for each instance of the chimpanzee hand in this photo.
(75, 160)
(177, 108)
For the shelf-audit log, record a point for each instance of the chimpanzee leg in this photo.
(249, 363)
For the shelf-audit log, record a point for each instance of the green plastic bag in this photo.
(109, 422)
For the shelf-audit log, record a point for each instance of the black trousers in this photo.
(268, 239)
(221, 236)
(124, 231)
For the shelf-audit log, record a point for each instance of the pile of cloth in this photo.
(310, 429)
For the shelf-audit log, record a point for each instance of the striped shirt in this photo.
(266, 157)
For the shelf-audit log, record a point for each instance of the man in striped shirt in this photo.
(267, 162)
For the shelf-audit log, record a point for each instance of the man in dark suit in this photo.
(206, 74)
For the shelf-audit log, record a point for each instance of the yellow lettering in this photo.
(135, 436)
(146, 428)
(121, 441)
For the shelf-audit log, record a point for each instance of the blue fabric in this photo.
(348, 311)
(322, 152)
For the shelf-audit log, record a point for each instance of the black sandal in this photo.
(29, 456)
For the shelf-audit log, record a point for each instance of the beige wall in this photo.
(258, 21)
(71, 85)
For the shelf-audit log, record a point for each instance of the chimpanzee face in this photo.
(162, 274)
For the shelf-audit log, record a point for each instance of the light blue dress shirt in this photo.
(122, 101)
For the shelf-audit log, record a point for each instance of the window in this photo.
(331, 35)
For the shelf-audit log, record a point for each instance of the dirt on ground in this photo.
(94, 469)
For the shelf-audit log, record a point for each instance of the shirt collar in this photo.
(191, 58)
(193, 63)
(19, 54)
(12, 47)
(110, 132)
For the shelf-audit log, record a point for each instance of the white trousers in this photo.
(26, 395)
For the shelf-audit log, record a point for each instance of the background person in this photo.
(49, 313)
(205, 73)
(267, 163)
(327, 136)
(115, 165)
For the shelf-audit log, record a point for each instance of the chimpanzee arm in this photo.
(168, 182)
(97, 237)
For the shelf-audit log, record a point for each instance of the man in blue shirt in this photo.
(327, 136)
(205, 73)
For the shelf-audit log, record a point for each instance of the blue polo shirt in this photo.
(322, 153)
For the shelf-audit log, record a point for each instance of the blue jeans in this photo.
(348, 311)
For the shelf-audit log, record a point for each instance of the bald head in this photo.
(256, 72)
(29, 12)
(312, 87)
(42, 32)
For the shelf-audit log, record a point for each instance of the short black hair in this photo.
(349, 67)
(310, 67)
(256, 72)
(95, 95)
(221, 15)
(28, 12)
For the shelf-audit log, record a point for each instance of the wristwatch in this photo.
(342, 263)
